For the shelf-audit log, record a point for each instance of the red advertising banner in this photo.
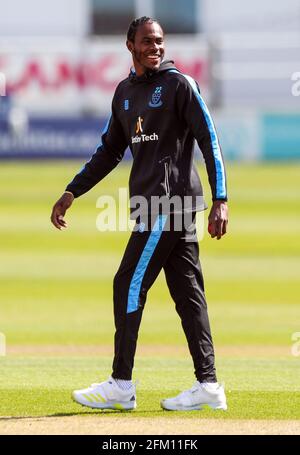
(81, 78)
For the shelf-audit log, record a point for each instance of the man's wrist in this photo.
(69, 192)
(220, 200)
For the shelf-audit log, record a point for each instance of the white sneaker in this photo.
(196, 397)
(106, 395)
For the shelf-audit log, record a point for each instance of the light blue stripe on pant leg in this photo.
(136, 281)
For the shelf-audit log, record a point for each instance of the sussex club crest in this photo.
(156, 98)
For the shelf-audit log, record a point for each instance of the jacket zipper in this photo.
(167, 185)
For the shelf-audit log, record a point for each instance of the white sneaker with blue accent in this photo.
(201, 394)
(106, 395)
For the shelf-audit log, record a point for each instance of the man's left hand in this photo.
(218, 219)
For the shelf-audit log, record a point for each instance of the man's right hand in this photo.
(59, 210)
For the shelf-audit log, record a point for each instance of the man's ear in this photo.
(129, 45)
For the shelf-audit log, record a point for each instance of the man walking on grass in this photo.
(158, 113)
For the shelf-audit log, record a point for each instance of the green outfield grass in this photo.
(256, 389)
(56, 289)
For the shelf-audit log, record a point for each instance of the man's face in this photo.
(148, 48)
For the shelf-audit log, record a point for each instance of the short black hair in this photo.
(135, 25)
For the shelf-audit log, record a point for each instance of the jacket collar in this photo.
(150, 75)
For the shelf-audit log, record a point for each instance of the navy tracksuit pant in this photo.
(162, 245)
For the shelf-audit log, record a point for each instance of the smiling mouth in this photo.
(154, 58)
(153, 55)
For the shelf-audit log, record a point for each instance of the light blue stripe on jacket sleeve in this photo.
(220, 171)
(221, 179)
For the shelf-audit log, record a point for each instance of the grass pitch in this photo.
(56, 298)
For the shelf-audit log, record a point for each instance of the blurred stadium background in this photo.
(61, 61)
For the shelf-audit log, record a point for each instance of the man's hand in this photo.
(218, 219)
(59, 210)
